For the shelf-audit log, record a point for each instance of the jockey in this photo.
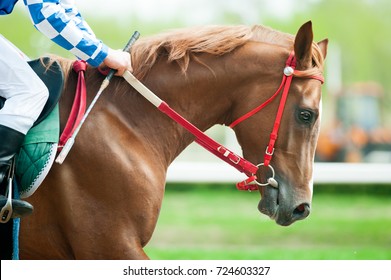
(24, 92)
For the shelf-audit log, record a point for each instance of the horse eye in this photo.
(306, 116)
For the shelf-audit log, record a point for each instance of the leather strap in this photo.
(208, 143)
(289, 72)
(286, 82)
(79, 103)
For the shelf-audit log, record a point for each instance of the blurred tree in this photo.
(361, 29)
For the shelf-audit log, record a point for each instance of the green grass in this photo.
(222, 223)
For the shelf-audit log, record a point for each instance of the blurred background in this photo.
(208, 218)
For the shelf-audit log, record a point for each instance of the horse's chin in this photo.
(273, 211)
(270, 205)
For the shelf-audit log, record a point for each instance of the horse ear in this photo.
(323, 47)
(303, 43)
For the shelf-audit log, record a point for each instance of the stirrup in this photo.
(6, 211)
(22, 208)
(16, 209)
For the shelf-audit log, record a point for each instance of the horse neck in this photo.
(205, 95)
(194, 95)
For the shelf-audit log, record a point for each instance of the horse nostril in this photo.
(302, 211)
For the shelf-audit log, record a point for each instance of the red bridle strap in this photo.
(209, 144)
(259, 108)
(286, 83)
(289, 72)
(267, 102)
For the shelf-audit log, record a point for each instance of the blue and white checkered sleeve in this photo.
(60, 21)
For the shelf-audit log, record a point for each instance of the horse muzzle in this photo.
(283, 207)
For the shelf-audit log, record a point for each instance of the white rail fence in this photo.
(197, 165)
(220, 172)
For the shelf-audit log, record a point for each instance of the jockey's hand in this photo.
(118, 60)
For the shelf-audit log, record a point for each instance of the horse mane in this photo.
(181, 45)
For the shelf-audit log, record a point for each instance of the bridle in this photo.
(219, 150)
(251, 183)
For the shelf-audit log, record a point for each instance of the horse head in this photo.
(293, 158)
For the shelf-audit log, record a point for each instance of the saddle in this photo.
(39, 149)
(42, 142)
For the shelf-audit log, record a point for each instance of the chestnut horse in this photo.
(103, 202)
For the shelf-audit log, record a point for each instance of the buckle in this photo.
(267, 152)
(228, 154)
(248, 185)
